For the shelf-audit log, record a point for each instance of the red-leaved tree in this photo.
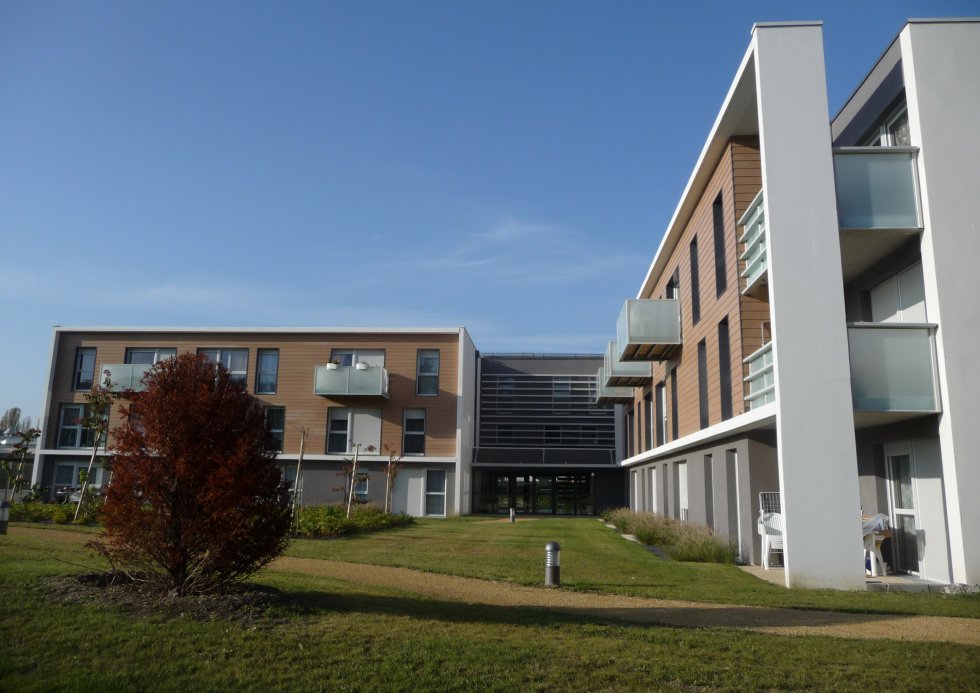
(195, 501)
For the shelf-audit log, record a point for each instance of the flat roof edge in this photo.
(266, 330)
(767, 25)
(942, 20)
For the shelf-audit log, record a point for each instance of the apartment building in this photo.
(546, 444)
(341, 391)
(808, 326)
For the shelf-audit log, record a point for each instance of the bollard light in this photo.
(513, 515)
(4, 516)
(552, 564)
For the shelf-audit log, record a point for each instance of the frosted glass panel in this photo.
(876, 190)
(892, 368)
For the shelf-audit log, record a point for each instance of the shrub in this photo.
(682, 541)
(195, 501)
(324, 521)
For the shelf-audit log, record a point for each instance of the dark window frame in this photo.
(718, 222)
(725, 368)
(695, 283)
(703, 413)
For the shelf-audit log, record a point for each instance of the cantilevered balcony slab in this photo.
(608, 394)
(648, 329)
(124, 376)
(893, 368)
(756, 259)
(351, 381)
(618, 373)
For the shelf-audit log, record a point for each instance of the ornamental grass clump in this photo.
(196, 501)
(681, 541)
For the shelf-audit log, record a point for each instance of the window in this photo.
(71, 430)
(68, 476)
(695, 284)
(275, 425)
(505, 394)
(681, 490)
(661, 414)
(718, 218)
(647, 422)
(414, 432)
(435, 492)
(674, 423)
(725, 370)
(361, 487)
(703, 383)
(348, 427)
(561, 393)
(84, 374)
(235, 361)
(427, 372)
(630, 434)
(893, 131)
(147, 356)
(266, 371)
(289, 478)
(351, 357)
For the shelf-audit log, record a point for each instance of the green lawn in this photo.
(594, 558)
(351, 637)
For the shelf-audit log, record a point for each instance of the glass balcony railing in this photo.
(648, 329)
(610, 394)
(893, 367)
(876, 188)
(617, 373)
(124, 376)
(351, 381)
(754, 237)
(761, 381)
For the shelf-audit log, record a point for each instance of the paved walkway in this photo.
(621, 608)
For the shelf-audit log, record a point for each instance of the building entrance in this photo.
(534, 494)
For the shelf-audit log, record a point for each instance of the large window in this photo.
(352, 357)
(266, 371)
(350, 427)
(68, 476)
(427, 372)
(275, 425)
(235, 361)
(147, 356)
(84, 374)
(414, 432)
(71, 430)
(435, 492)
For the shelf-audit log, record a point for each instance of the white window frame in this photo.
(77, 426)
(281, 437)
(75, 484)
(346, 418)
(219, 357)
(80, 356)
(427, 493)
(427, 376)
(351, 357)
(414, 415)
(362, 486)
(259, 390)
(350, 414)
(159, 353)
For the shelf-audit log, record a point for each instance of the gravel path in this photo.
(621, 608)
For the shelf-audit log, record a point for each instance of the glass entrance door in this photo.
(901, 499)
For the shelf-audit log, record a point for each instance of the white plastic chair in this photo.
(771, 531)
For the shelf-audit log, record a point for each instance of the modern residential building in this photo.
(405, 390)
(546, 444)
(811, 318)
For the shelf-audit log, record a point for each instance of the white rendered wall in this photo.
(815, 421)
(941, 64)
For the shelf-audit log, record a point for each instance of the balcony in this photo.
(351, 381)
(755, 255)
(648, 329)
(761, 381)
(124, 376)
(610, 394)
(893, 367)
(618, 374)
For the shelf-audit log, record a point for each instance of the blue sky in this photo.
(507, 166)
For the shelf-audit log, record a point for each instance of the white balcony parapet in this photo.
(618, 373)
(124, 376)
(754, 237)
(761, 381)
(893, 367)
(648, 329)
(877, 188)
(351, 381)
(610, 394)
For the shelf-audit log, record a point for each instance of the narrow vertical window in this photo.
(721, 274)
(337, 427)
(414, 432)
(703, 382)
(695, 284)
(267, 372)
(275, 426)
(681, 490)
(725, 370)
(630, 434)
(648, 422)
(674, 424)
(84, 374)
(660, 415)
(435, 492)
(427, 372)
